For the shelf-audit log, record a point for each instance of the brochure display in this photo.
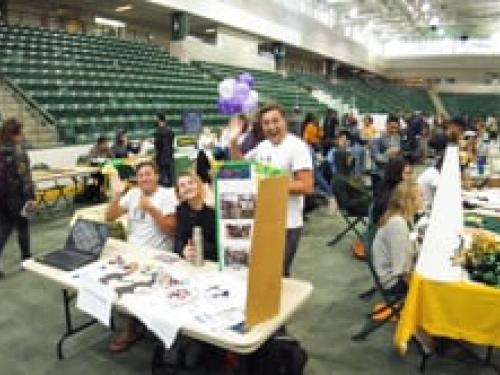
(251, 206)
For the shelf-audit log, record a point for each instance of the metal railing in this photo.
(34, 108)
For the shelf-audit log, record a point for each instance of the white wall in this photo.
(272, 21)
(233, 48)
(463, 68)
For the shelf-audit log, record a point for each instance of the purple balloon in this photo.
(241, 91)
(246, 78)
(234, 105)
(223, 106)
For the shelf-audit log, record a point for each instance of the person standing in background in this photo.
(16, 187)
(164, 150)
(330, 125)
(311, 131)
(295, 122)
(368, 132)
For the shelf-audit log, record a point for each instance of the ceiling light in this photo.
(210, 31)
(123, 8)
(353, 13)
(108, 22)
(426, 7)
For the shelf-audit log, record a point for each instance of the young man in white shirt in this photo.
(428, 182)
(290, 153)
(150, 210)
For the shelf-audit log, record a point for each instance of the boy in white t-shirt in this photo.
(428, 181)
(290, 153)
(150, 210)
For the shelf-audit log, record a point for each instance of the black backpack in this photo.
(281, 355)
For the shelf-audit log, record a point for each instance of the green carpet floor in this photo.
(32, 320)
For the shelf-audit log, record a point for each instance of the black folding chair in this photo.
(352, 219)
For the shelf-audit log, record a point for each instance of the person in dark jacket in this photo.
(164, 150)
(16, 187)
(192, 212)
(330, 125)
(252, 138)
(350, 196)
(121, 148)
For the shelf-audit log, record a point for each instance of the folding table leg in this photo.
(70, 329)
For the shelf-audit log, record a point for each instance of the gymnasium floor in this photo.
(31, 317)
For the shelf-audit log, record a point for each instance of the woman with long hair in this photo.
(193, 212)
(393, 250)
(397, 169)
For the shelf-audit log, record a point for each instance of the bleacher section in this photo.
(271, 87)
(371, 96)
(92, 85)
(476, 105)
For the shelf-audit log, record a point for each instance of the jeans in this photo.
(291, 245)
(358, 155)
(8, 223)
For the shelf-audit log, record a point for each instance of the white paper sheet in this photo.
(96, 300)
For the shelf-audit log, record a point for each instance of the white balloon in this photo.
(250, 104)
(226, 88)
(254, 96)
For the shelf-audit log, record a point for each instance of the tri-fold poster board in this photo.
(251, 205)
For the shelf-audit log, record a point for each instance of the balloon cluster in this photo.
(236, 95)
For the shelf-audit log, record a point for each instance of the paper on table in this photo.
(155, 313)
(96, 300)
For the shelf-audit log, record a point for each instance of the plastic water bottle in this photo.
(198, 244)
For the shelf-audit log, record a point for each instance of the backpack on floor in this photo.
(281, 355)
(186, 354)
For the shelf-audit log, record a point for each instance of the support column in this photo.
(331, 69)
(279, 56)
(3, 10)
(180, 26)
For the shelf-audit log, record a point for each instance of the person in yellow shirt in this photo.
(368, 132)
(312, 132)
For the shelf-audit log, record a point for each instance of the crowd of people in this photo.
(368, 173)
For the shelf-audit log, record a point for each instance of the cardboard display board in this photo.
(267, 253)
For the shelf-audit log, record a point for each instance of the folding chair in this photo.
(394, 303)
(368, 238)
(352, 219)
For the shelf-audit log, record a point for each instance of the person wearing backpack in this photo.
(16, 187)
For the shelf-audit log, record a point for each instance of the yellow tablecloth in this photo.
(457, 310)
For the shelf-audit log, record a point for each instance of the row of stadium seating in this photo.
(475, 105)
(92, 85)
(371, 96)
